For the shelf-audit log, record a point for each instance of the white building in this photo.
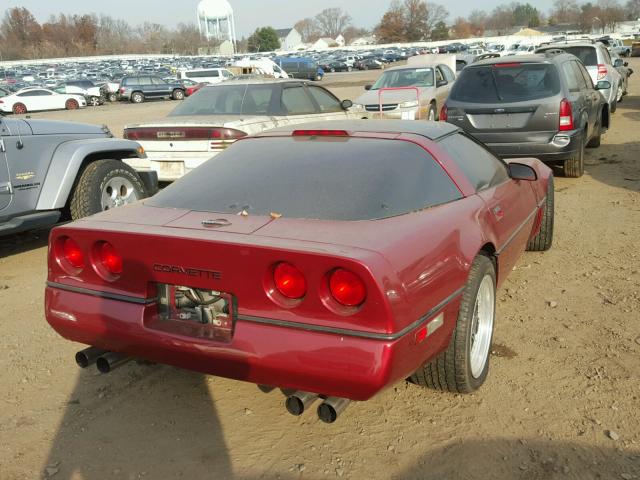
(216, 21)
(323, 43)
(290, 38)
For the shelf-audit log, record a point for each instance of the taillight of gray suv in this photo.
(542, 106)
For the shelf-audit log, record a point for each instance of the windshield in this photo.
(228, 100)
(407, 77)
(329, 178)
(509, 83)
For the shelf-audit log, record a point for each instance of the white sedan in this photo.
(34, 99)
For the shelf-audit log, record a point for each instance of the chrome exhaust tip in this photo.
(299, 402)
(109, 361)
(331, 408)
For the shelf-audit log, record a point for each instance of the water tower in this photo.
(215, 20)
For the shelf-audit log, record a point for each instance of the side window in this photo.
(158, 81)
(326, 101)
(585, 75)
(570, 75)
(214, 73)
(607, 57)
(439, 76)
(582, 84)
(145, 81)
(478, 164)
(448, 73)
(295, 101)
(227, 74)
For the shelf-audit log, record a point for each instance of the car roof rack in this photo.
(554, 51)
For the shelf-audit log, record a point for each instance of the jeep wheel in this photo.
(103, 185)
(113, 97)
(178, 94)
(543, 240)
(574, 167)
(94, 101)
(137, 97)
(19, 108)
(432, 115)
(71, 104)
(464, 365)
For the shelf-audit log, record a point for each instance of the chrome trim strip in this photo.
(354, 333)
(519, 229)
(107, 295)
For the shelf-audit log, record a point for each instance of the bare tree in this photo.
(308, 29)
(633, 9)
(436, 14)
(332, 21)
(391, 26)
(611, 13)
(565, 11)
(415, 20)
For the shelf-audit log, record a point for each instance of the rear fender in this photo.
(69, 159)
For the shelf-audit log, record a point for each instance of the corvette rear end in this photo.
(285, 271)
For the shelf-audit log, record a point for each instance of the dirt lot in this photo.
(561, 401)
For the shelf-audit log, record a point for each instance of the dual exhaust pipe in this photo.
(328, 411)
(297, 402)
(105, 361)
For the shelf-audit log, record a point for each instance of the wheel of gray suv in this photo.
(574, 166)
(614, 106)
(595, 141)
(464, 365)
(94, 101)
(178, 94)
(137, 97)
(543, 240)
(103, 185)
(113, 97)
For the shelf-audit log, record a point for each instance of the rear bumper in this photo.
(170, 166)
(561, 147)
(268, 354)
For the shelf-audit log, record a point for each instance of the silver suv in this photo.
(595, 56)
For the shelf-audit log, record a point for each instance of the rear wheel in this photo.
(620, 93)
(137, 97)
(94, 101)
(19, 108)
(574, 166)
(432, 113)
(543, 240)
(71, 104)
(464, 365)
(113, 97)
(105, 184)
(614, 106)
(178, 94)
(595, 141)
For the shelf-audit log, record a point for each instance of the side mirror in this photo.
(603, 85)
(346, 104)
(441, 83)
(368, 87)
(520, 171)
(618, 62)
(625, 64)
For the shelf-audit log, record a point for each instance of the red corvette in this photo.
(330, 262)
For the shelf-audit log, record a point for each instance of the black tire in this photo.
(614, 106)
(87, 193)
(595, 141)
(574, 167)
(94, 101)
(451, 370)
(113, 97)
(544, 239)
(432, 111)
(177, 94)
(137, 97)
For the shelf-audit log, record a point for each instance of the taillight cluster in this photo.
(602, 71)
(566, 115)
(344, 286)
(183, 133)
(104, 258)
(444, 115)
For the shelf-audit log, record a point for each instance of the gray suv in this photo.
(540, 105)
(137, 89)
(596, 58)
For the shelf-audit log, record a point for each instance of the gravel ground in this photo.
(561, 400)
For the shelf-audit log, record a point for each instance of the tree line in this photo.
(23, 37)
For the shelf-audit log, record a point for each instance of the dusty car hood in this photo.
(205, 120)
(393, 96)
(54, 127)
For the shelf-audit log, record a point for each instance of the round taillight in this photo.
(109, 258)
(72, 253)
(289, 281)
(347, 288)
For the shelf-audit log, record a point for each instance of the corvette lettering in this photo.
(191, 272)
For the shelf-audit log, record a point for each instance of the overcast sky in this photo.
(250, 14)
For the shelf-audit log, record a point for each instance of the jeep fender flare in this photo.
(67, 161)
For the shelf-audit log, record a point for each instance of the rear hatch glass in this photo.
(587, 55)
(331, 178)
(503, 83)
